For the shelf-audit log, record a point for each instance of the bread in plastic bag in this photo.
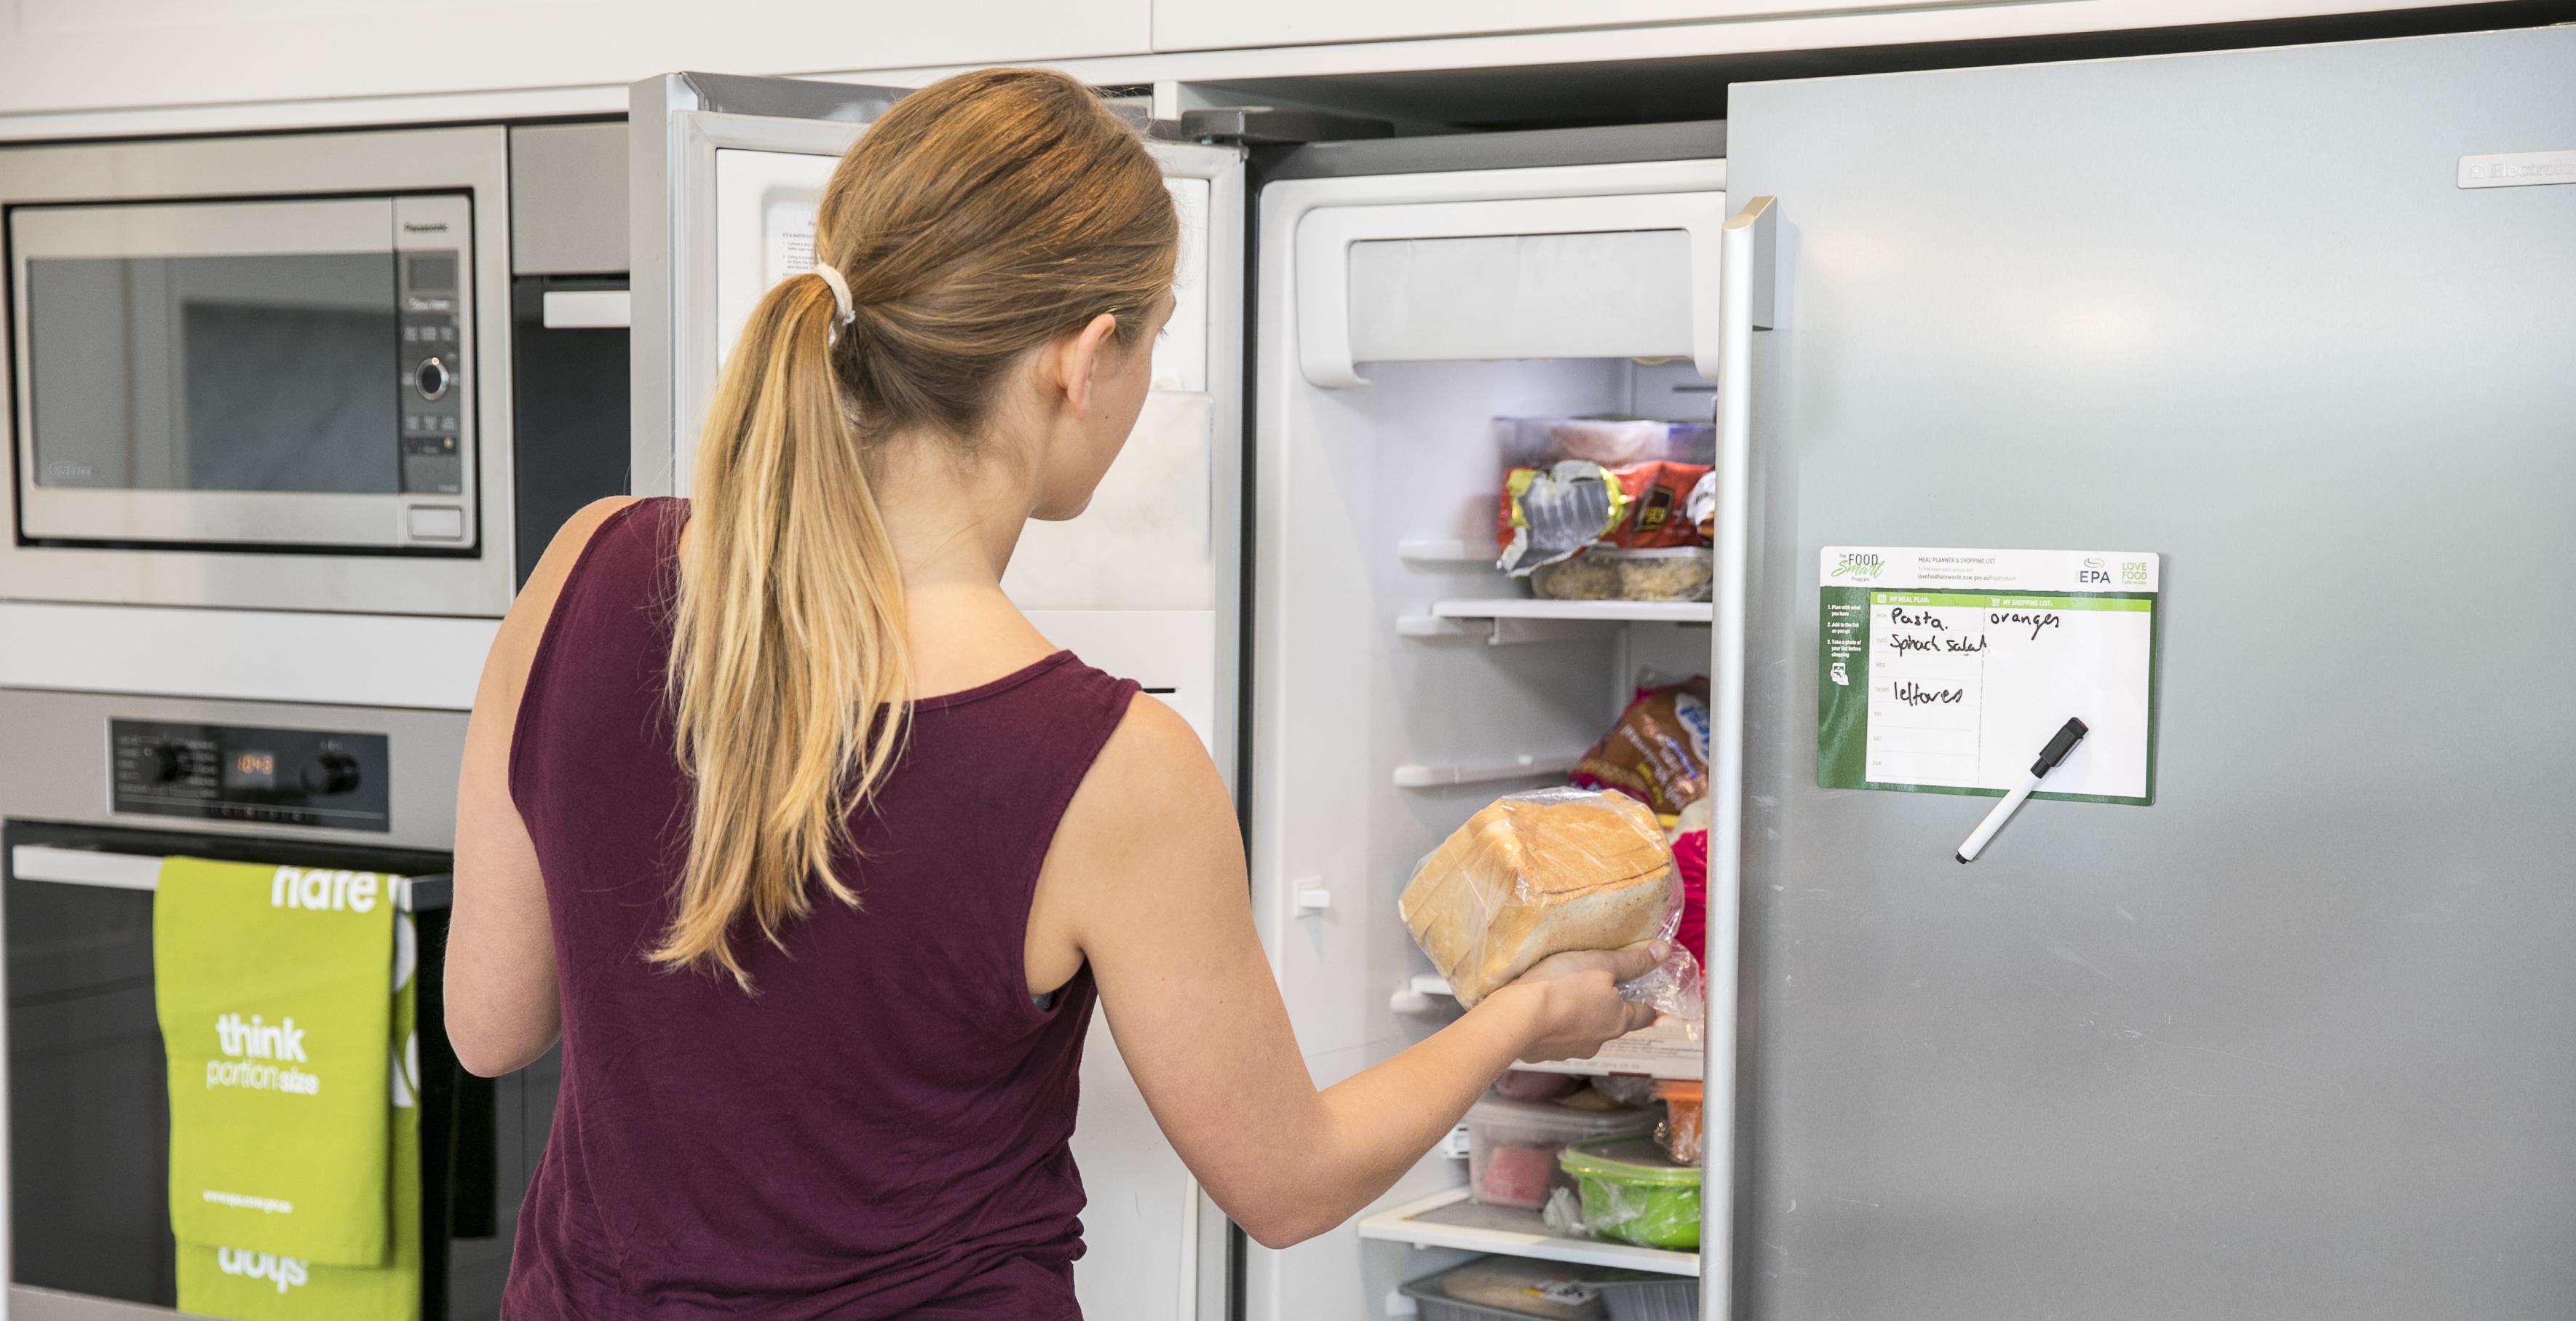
(1658, 752)
(1541, 873)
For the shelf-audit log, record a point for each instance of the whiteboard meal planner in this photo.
(1946, 671)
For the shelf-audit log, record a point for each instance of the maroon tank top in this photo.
(882, 1129)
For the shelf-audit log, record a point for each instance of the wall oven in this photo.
(261, 372)
(97, 790)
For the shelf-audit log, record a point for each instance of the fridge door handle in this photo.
(1744, 291)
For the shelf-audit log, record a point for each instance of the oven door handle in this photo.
(141, 871)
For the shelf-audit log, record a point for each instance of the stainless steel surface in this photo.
(57, 768)
(27, 1304)
(2293, 1042)
(357, 164)
(568, 199)
(142, 871)
(676, 123)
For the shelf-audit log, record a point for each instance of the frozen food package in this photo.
(1539, 873)
(1609, 441)
(1672, 573)
(1658, 752)
(1701, 506)
(1552, 513)
(1690, 862)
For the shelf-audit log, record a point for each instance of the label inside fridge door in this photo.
(1946, 671)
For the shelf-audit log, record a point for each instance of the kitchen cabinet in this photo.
(90, 54)
(1629, 29)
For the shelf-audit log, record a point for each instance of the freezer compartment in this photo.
(1403, 682)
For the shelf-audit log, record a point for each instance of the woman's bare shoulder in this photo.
(516, 646)
(1150, 823)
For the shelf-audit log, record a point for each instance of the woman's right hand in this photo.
(1573, 1000)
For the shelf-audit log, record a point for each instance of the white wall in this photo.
(91, 54)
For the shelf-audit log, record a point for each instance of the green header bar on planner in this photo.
(1985, 602)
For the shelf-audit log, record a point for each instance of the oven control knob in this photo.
(330, 773)
(433, 378)
(160, 763)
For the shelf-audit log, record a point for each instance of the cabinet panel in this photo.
(88, 54)
(1205, 24)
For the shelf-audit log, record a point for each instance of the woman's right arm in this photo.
(1146, 875)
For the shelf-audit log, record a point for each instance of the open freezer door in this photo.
(727, 176)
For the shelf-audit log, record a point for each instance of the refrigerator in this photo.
(2287, 1038)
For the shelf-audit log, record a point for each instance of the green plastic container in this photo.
(1633, 1192)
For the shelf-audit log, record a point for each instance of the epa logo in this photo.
(2093, 571)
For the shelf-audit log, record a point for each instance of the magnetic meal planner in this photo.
(1946, 671)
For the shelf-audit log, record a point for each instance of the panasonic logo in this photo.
(415, 227)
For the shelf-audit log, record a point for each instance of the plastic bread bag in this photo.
(1608, 441)
(1658, 752)
(1540, 873)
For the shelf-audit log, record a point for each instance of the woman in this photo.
(817, 855)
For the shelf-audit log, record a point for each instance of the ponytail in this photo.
(981, 217)
(790, 670)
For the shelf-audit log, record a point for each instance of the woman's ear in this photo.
(1077, 362)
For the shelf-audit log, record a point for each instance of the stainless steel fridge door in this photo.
(2295, 1041)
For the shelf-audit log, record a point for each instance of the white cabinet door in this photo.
(91, 54)
(727, 175)
(1210, 24)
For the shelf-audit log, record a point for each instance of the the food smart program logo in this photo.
(1858, 568)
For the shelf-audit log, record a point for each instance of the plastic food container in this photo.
(1679, 1133)
(1608, 441)
(1514, 1288)
(1672, 573)
(1642, 1297)
(1512, 1146)
(1633, 1192)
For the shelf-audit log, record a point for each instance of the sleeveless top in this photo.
(881, 1128)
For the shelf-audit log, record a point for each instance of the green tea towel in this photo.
(271, 987)
(242, 1285)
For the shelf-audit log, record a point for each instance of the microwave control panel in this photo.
(432, 373)
(293, 777)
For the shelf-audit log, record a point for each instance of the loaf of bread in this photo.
(1537, 874)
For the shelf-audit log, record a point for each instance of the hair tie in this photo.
(845, 313)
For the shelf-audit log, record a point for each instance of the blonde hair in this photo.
(983, 216)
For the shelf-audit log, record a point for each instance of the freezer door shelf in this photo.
(1449, 1220)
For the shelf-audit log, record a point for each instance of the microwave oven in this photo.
(261, 372)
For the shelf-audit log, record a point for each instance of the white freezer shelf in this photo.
(1449, 1220)
(1664, 1050)
(1516, 607)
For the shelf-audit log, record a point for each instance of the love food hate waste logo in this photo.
(2133, 573)
(287, 1272)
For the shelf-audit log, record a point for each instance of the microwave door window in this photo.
(228, 373)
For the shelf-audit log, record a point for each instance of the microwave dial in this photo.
(432, 378)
